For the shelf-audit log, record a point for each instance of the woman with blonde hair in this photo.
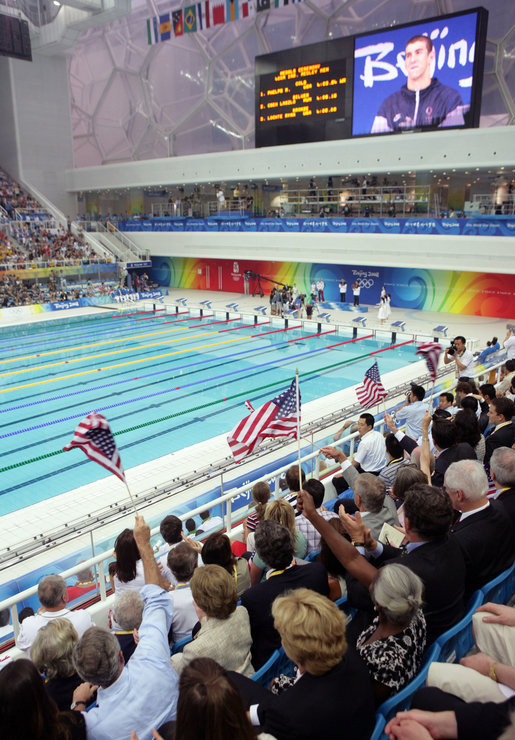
(260, 496)
(284, 513)
(331, 696)
(51, 653)
(224, 634)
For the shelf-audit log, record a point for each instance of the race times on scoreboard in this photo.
(307, 91)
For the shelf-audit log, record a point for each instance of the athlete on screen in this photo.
(423, 100)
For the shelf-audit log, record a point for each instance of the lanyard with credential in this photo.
(278, 572)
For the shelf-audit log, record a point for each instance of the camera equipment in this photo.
(511, 327)
(452, 349)
(257, 282)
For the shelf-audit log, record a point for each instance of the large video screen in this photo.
(424, 75)
(14, 38)
(374, 83)
(304, 94)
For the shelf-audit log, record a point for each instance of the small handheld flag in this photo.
(431, 352)
(279, 417)
(95, 438)
(371, 391)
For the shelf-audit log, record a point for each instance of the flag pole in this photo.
(132, 499)
(298, 424)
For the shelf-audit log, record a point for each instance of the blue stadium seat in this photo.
(455, 643)
(178, 646)
(500, 589)
(312, 556)
(378, 733)
(276, 664)
(402, 700)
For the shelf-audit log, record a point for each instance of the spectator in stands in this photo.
(483, 531)
(312, 632)
(412, 410)
(292, 483)
(191, 527)
(51, 653)
(279, 511)
(509, 344)
(126, 572)
(275, 546)
(303, 526)
(371, 501)
(506, 378)
(85, 583)
(489, 675)
(430, 553)
(407, 477)
(335, 570)
(490, 348)
(502, 472)
(224, 634)
(446, 401)
(53, 597)
(217, 551)
(370, 456)
(209, 522)
(260, 496)
(503, 432)
(461, 356)
(182, 561)
(396, 460)
(467, 424)
(142, 694)
(393, 645)
(128, 613)
(170, 529)
(26, 709)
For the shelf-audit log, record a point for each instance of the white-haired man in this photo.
(483, 530)
(502, 472)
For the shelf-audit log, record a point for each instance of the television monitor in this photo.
(15, 38)
(304, 94)
(433, 82)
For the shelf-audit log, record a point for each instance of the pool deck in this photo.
(58, 511)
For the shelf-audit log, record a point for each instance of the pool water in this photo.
(163, 381)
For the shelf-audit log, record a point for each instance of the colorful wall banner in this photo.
(450, 291)
(477, 226)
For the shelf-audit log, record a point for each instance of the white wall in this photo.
(467, 253)
(8, 132)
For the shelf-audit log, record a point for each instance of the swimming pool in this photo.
(164, 381)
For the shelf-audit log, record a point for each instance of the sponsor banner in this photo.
(136, 265)
(477, 226)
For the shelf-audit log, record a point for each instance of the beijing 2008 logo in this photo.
(368, 283)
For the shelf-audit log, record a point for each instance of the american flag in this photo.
(371, 391)
(276, 418)
(431, 352)
(96, 440)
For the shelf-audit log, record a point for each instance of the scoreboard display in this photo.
(304, 94)
(362, 85)
(14, 38)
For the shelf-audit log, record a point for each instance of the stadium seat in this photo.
(312, 556)
(500, 589)
(455, 643)
(378, 733)
(178, 646)
(276, 664)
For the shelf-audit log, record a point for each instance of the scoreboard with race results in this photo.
(14, 38)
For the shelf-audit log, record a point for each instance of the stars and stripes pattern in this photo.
(431, 352)
(95, 438)
(371, 391)
(276, 418)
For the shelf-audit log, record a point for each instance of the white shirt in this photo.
(184, 614)
(136, 584)
(215, 522)
(320, 285)
(31, 625)
(413, 413)
(371, 453)
(343, 287)
(509, 346)
(356, 291)
(467, 359)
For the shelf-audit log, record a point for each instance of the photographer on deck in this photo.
(463, 358)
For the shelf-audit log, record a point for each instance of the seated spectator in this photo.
(312, 632)
(182, 561)
(507, 375)
(407, 477)
(26, 709)
(491, 347)
(260, 496)
(292, 484)
(217, 551)
(51, 653)
(335, 571)
(392, 647)
(279, 511)
(412, 411)
(502, 472)
(224, 634)
(503, 432)
(483, 531)
(445, 403)
(53, 597)
(275, 547)
(371, 501)
(305, 528)
(85, 583)
(128, 613)
(370, 456)
(142, 694)
(396, 460)
(489, 675)
(467, 424)
(170, 529)
(191, 527)
(430, 554)
(209, 522)
(127, 570)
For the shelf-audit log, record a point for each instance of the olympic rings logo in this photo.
(368, 283)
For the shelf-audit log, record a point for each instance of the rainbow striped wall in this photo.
(472, 293)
